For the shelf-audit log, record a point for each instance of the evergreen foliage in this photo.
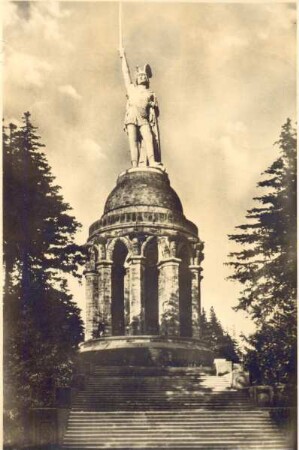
(38, 230)
(266, 267)
(42, 325)
(219, 341)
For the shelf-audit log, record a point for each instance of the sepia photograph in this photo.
(149, 162)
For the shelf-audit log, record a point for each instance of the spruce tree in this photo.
(38, 229)
(42, 324)
(266, 264)
(204, 327)
(219, 341)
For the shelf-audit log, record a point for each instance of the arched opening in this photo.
(151, 306)
(185, 301)
(118, 302)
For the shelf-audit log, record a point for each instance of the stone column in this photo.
(136, 305)
(104, 269)
(91, 294)
(169, 314)
(195, 299)
(127, 299)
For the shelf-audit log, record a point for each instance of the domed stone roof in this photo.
(143, 187)
(143, 200)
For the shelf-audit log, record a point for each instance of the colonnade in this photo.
(143, 286)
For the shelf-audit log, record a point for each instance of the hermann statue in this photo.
(141, 119)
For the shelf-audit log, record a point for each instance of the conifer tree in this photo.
(42, 325)
(266, 264)
(38, 229)
(204, 326)
(219, 341)
(216, 330)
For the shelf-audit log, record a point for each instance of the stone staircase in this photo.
(166, 408)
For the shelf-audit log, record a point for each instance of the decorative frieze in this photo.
(141, 217)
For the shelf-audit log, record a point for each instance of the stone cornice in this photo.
(136, 258)
(124, 223)
(103, 263)
(195, 267)
(170, 260)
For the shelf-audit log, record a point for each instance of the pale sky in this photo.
(224, 75)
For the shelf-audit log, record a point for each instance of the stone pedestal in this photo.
(91, 302)
(136, 313)
(169, 322)
(104, 268)
(195, 299)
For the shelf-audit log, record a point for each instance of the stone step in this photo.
(150, 369)
(170, 411)
(185, 446)
(170, 400)
(164, 439)
(167, 391)
(191, 414)
(165, 431)
(179, 436)
(162, 378)
(166, 415)
(163, 442)
(186, 422)
(175, 385)
(197, 395)
(100, 406)
(211, 445)
(123, 389)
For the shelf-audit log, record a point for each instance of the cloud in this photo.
(36, 22)
(23, 69)
(92, 150)
(43, 24)
(54, 9)
(70, 91)
(238, 151)
(10, 14)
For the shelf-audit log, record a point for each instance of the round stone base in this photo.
(146, 351)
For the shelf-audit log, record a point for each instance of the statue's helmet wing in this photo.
(147, 69)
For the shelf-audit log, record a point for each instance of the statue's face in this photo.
(142, 78)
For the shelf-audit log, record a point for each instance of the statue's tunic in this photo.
(140, 101)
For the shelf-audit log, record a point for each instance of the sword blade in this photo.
(120, 25)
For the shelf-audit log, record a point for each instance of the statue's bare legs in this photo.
(147, 138)
(133, 141)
